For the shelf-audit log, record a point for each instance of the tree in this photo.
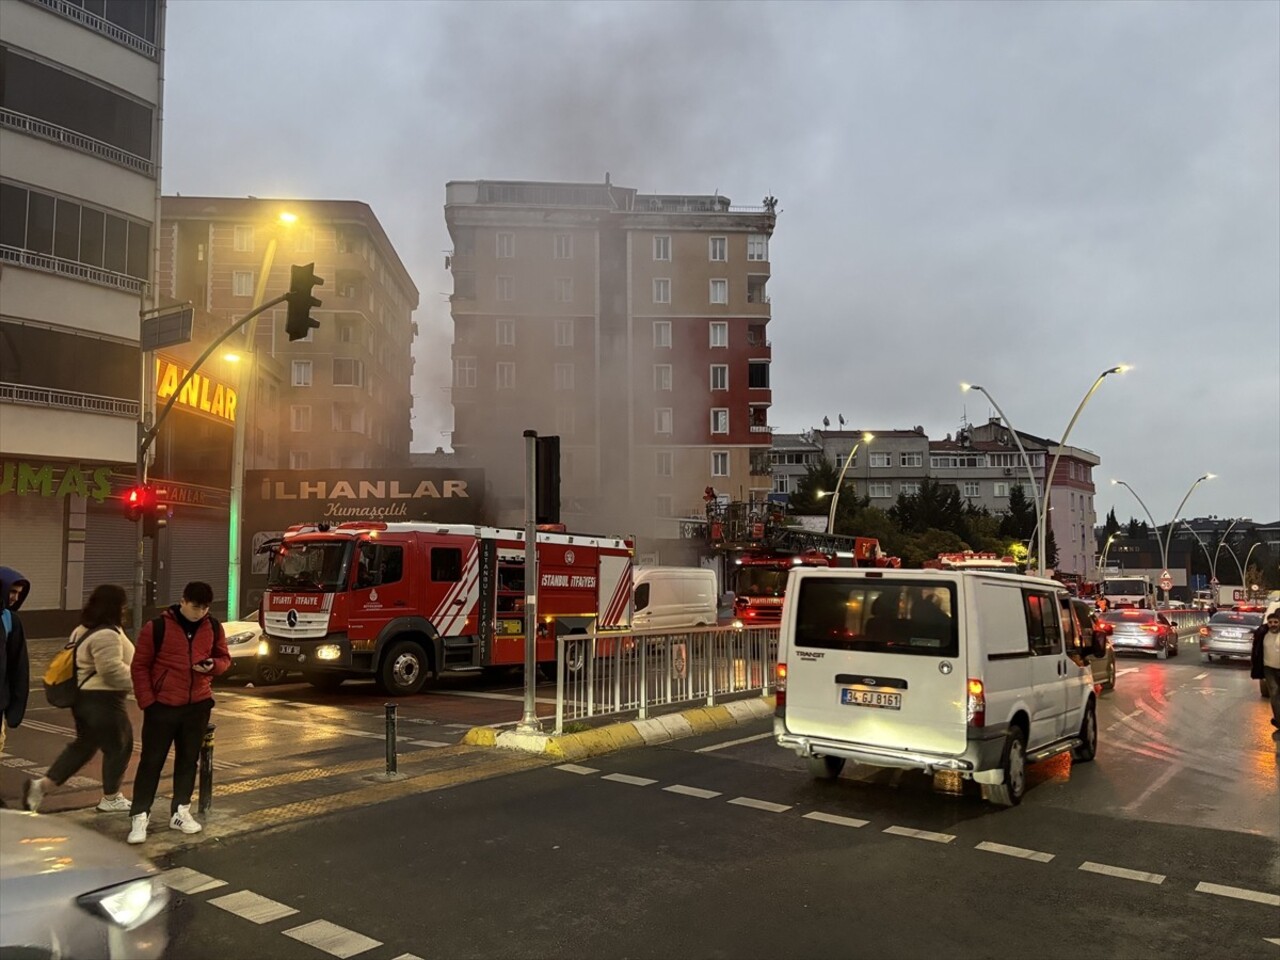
(1020, 522)
(1137, 531)
(819, 478)
(937, 506)
(1112, 525)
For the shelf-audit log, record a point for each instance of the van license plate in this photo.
(287, 648)
(854, 697)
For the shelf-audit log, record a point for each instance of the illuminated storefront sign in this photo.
(202, 394)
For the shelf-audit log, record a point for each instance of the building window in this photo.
(757, 375)
(662, 333)
(972, 489)
(566, 420)
(955, 461)
(719, 333)
(662, 420)
(301, 373)
(304, 241)
(663, 506)
(663, 466)
(881, 459)
(910, 488)
(348, 372)
(299, 459)
(464, 372)
(242, 283)
(564, 376)
(506, 376)
(719, 420)
(662, 248)
(564, 246)
(564, 290)
(662, 376)
(719, 463)
(243, 239)
(506, 333)
(880, 490)
(718, 249)
(662, 290)
(564, 333)
(719, 291)
(347, 333)
(719, 376)
(299, 419)
(1001, 490)
(757, 246)
(506, 246)
(506, 288)
(464, 285)
(780, 484)
(911, 460)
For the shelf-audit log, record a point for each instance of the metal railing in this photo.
(69, 268)
(77, 141)
(68, 400)
(100, 25)
(607, 674)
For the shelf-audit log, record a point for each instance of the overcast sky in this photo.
(1016, 195)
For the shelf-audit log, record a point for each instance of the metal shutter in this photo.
(198, 551)
(110, 547)
(32, 541)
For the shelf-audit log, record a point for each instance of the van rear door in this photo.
(876, 659)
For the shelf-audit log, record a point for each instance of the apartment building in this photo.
(80, 94)
(634, 326)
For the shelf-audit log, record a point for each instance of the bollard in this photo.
(391, 739)
(206, 770)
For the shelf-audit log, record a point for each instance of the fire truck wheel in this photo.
(404, 669)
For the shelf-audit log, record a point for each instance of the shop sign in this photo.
(201, 394)
(55, 480)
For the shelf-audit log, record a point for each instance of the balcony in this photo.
(68, 400)
(76, 141)
(100, 25)
(69, 268)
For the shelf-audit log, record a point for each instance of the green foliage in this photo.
(819, 478)
(1020, 522)
(1137, 530)
(1111, 526)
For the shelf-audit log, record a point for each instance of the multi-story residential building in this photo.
(633, 326)
(790, 459)
(80, 94)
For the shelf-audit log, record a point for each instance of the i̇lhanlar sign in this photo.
(55, 480)
(202, 394)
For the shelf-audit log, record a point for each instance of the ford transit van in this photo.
(674, 598)
(978, 673)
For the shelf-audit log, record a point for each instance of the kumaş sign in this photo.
(43, 480)
(201, 394)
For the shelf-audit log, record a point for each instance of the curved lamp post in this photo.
(835, 494)
(1026, 460)
(1164, 545)
(1102, 560)
(1242, 568)
(1213, 566)
(1048, 479)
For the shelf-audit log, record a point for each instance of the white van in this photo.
(934, 670)
(674, 598)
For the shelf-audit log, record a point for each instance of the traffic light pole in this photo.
(147, 436)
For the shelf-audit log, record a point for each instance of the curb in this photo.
(625, 736)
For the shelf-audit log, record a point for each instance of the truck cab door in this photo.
(379, 590)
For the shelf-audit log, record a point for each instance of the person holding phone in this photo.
(178, 654)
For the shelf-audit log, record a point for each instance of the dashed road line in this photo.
(1020, 852)
(332, 939)
(1239, 893)
(188, 881)
(430, 743)
(919, 834)
(1121, 673)
(732, 743)
(253, 907)
(575, 768)
(1275, 940)
(698, 792)
(1121, 872)
(1199, 676)
(838, 821)
(627, 778)
(1169, 773)
(761, 804)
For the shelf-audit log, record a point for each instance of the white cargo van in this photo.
(674, 598)
(980, 673)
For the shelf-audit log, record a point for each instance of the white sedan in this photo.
(242, 642)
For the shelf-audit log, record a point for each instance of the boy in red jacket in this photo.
(172, 679)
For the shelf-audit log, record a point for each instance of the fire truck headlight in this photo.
(264, 648)
(739, 625)
(328, 651)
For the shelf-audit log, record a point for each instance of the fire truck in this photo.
(969, 560)
(398, 602)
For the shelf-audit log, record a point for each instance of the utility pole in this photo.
(529, 721)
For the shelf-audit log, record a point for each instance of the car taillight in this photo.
(780, 688)
(1152, 627)
(1204, 631)
(975, 708)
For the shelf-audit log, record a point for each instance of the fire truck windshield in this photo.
(760, 582)
(310, 566)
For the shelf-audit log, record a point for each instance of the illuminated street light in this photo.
(1048, 480)
(1026, 460)
(1164, 545)
(231, 357)
(1102, 561)
(835, 494)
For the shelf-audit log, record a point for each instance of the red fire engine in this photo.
(969, 560)
(399, 601)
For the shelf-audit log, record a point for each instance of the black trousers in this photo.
(102, 723)
(163, 727)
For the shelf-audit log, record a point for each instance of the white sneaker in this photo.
(32, 795)
(138, 829)
(182, 820)
(114, 804)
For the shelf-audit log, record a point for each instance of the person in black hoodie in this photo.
(15, 667)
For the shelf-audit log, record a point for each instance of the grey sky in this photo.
(1018, 195)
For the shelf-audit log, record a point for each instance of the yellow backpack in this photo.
(60, 679)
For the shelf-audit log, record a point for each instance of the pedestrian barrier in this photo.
(205, 803)
(600, 674)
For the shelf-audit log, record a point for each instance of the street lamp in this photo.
(1213, 567)
(835, 494)
(1048, 480)
(1102, 560)
(1243, 582)
(1026, 460)
(283, 219)
(1164, 545)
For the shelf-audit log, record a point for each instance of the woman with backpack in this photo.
(102, 656)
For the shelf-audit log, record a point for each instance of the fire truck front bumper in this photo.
(325, 654)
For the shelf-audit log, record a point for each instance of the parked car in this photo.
(1229, 635)
(242, 643)
(1142, 630)
(67, 891)
(1095, 635)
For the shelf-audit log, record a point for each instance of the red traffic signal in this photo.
(139, 502)
(298, 320)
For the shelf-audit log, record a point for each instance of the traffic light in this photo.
(547, 509)
(299, 321)
(139, 502)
